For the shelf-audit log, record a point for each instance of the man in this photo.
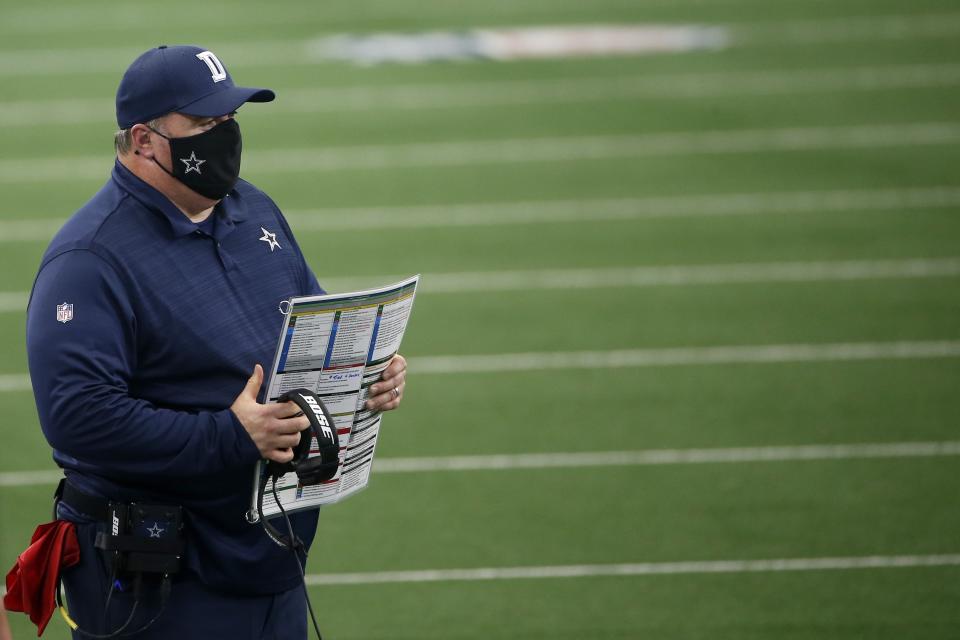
(151, 308)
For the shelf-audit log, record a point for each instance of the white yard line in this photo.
(573, 211)
(29, 478)
(14, 382)
(566, 149)
(659, 276)
(30, 230)
(635, 569)
(528, 150)
(843, 30)
(683, 356)
(53, 18)
(653, 568)
(594, 89)
(651, 457)
(533, 91)
(286, 52)
(113, 60)
(13, 301)
(667, 456)
(655, 276)
(664, 357)
(608, 209)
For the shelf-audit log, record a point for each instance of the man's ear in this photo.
(143, 140)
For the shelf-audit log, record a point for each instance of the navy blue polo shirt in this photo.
(143, 327)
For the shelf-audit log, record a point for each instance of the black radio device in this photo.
(143, 538)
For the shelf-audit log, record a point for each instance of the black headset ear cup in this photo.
(323, 466)
(319, 468)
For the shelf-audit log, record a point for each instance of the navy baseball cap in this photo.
(181, 78)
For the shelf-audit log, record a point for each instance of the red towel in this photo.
(32, 582)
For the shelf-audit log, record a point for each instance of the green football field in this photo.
(685, 361)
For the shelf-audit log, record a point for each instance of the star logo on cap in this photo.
(270, 239)
(156, 530)
(193, 163)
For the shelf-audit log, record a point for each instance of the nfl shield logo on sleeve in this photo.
(64, 312)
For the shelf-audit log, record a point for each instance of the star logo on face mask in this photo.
(270, 239)
(193, 163)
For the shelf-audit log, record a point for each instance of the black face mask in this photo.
(209, 162)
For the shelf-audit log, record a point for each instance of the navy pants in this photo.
(192, 609)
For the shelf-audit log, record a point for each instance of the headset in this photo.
(310, 470)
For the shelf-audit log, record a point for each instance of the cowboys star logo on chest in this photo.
(270, 238)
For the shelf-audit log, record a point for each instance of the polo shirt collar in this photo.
(231, 209)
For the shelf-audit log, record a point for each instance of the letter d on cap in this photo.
(217, 72)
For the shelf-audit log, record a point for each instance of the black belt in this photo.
(83, 503)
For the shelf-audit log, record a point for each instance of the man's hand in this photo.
(386, 394)
(274, 428)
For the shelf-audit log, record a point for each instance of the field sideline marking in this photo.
(667, 275)
(286, 52)
(532, 91)
(667, 457)
(505, 151)
(648, 457)
(13, 301)
(647, 276)
(15, 382)
(659, 357)
(843, 30)
(662, 357)
(607, 209)
(69, 17)
(683, 356)
(634, 569)
(572, 211)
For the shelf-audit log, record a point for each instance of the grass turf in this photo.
(616, 515)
